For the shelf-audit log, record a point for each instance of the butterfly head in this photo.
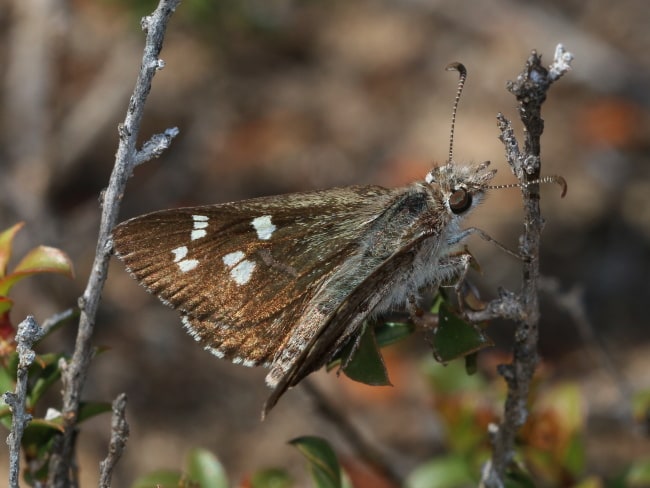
(461, 187)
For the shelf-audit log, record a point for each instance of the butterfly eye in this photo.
(460, 200)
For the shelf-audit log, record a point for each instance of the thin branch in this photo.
(119, 436)
(507, 306)
(363, 448)
(27, 334)
(56, 320)
(530, 89)
(155, 146)
(572, 302)
(75, 373)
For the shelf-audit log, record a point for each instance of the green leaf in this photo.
(641, 405)
(44, 372)
(516, 478)
(438, 301)
(566, 399)
(384, 334)
(159, 479)
(574, 456)
(452, 378)
(12, 366)
(454, 338)
(444, 472)
(42, 259)
(638, 475)
(597, 482)
(39, 436)
(471, 363)
(91, 409)
(5, 415)
(6, 241)
(205, 469)
(45, 259)
(271, 478)
(323, 464)
(365, 365)
(388, 333)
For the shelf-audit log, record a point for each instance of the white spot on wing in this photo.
(188, 265)
(184, 265)
(197, 234)
(200, 223)
(241, 269)
(242, 272)
(179, 253)
(233, 258)
(264, 227)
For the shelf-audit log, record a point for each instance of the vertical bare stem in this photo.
(530, 90)
(27, 334)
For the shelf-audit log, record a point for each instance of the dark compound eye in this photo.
(460, 200)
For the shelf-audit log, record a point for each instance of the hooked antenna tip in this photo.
(456, 66)
(562, 182)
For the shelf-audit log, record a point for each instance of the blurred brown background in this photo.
(279, 96)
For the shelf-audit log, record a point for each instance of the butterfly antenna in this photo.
(461, 83)
(546, 179)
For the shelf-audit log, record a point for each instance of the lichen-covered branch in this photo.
(27, 335)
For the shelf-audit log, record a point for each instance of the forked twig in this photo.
(74, 375)
(530, 89)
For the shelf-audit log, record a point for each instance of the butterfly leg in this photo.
(422, 319)
(466, 294)
(452, 271)
(487, 237)
(463, 262)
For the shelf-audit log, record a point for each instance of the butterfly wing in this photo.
(242, 274)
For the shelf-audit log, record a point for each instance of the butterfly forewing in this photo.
(241, 274)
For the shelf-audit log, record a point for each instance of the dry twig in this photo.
(530, 89)
(119, 436)
(74, 375)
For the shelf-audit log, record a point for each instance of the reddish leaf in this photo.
(41, 259)
(7, 329)
(6, 241)
(5, 304)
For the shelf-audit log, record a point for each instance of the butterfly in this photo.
(286, 281)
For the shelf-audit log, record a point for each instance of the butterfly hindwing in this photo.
(346, 318)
